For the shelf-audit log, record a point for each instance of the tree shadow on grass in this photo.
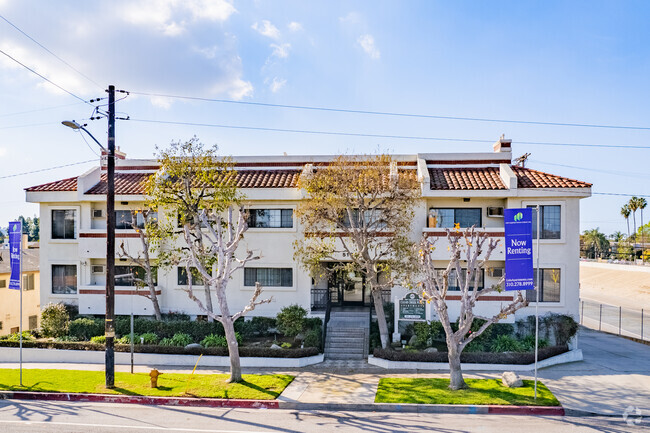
(124, 391)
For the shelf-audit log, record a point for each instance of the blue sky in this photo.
(551, 61)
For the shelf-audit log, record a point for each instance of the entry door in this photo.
(353, 289)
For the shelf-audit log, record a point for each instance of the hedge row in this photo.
(255, 352)
(472, 357)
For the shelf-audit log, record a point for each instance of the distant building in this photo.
(10, 299)
(457, 188)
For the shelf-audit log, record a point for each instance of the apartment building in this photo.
(457, 188)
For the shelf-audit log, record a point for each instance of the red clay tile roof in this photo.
(133, 183)
(69, 184)
(466, 178)
(528, 178)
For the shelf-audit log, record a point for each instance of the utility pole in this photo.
(109, 328)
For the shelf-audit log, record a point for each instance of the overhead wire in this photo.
(39, 109)
(358, 134)
(53, 54)
(394, 114)
(47, 169)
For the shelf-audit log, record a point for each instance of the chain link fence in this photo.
(615, 319)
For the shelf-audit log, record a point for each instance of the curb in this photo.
(275, 404)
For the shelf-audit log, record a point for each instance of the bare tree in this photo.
(148, 237)
(357, 216)
(469, 246)
(221, 241)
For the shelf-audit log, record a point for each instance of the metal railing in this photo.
(328, 312)
(614, 319)
(319, 298)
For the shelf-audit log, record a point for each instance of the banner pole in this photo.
(537, 305)
(21, 303)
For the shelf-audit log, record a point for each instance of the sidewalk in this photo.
(614, 375)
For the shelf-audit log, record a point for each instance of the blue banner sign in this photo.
(15, 241)
(519, 249)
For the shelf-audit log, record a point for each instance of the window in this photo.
(3, 284)
(269, 277)
(137, 272)
(453, 281)
(182, 276)
(33, 322)
(63, 224)
(28, 282)
(64, 279)
(124, 219)
(550, 222)
(372, 217)
(549, 286)
(270, 218)
(0, 326)
(448, 218)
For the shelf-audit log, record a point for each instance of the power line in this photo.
(395, 114)
(358, 134)
(46, 49)
(38, 109)
(46, 79)
(613, 172)
(47, 169)
(26, 126)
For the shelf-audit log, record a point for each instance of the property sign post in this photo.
(519, 258)
(15, 260)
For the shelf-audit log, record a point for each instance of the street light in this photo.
(109, 327)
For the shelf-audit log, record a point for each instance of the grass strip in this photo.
(254, 386)
(479, 392)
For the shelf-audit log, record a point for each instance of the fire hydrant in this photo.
(154, 377)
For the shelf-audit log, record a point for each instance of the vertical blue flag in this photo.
(15, 241)
(519, 249)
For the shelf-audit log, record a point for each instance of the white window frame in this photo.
(294, 277)
(49, 271)
(273, 229)
(77, 218)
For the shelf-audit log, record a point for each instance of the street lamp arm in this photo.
(74, 125)
(91, 136)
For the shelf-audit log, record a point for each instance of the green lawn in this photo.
(480, 392)
(259, 387)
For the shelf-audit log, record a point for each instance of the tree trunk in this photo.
(231, 338)
(381, 319)
(208, 301)
(456, 380)
(233, 349)
(154, 301)
(148, 276)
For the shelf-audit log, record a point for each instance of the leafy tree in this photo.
(617, 236)
(468, 247)
(595, 243)
(634, 204)
(202, 188)
(642, 203)
(357, 216)
(31, 227)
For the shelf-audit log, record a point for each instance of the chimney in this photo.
(118, 155)
(502, 145)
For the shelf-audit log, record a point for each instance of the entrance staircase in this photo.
(347, 334)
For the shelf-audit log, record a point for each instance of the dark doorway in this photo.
(348, 288)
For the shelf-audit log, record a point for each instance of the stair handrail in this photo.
(328, 311)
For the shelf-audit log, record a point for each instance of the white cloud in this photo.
(367, 42)
(3, 151)
(161, 102)
(171, 17)
(277, 84)
(266, 29)
(350, 18)
(295, 26)
(280, 51)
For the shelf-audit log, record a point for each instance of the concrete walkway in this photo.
(614, 375)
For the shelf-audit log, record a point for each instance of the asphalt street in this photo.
(49, 416)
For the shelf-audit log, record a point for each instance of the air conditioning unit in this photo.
(98, 213)
(495, 212)
(495, 272)
(98, 269)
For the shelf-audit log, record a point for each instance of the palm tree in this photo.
(642, 203)
(625, 211)
(617, 236)
(634, 206)
(596, 241)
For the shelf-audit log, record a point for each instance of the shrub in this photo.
(313, 338)
(126, 339)
(528, 342)
(471, 357)
(27, 335)
(286, 345)
(313, 323)
(244, 327)
(291, 320)
(100, 339)
(564, 327)
(261, 325)
(66, 338)
(427, 332)
(506, 343)
(149, 338)
(214, 340)
(85, 328)
(55, 320)
(179, 339)
(198, 330)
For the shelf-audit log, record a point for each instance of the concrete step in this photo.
(346, 331)
(344, 356)
(345, 348)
